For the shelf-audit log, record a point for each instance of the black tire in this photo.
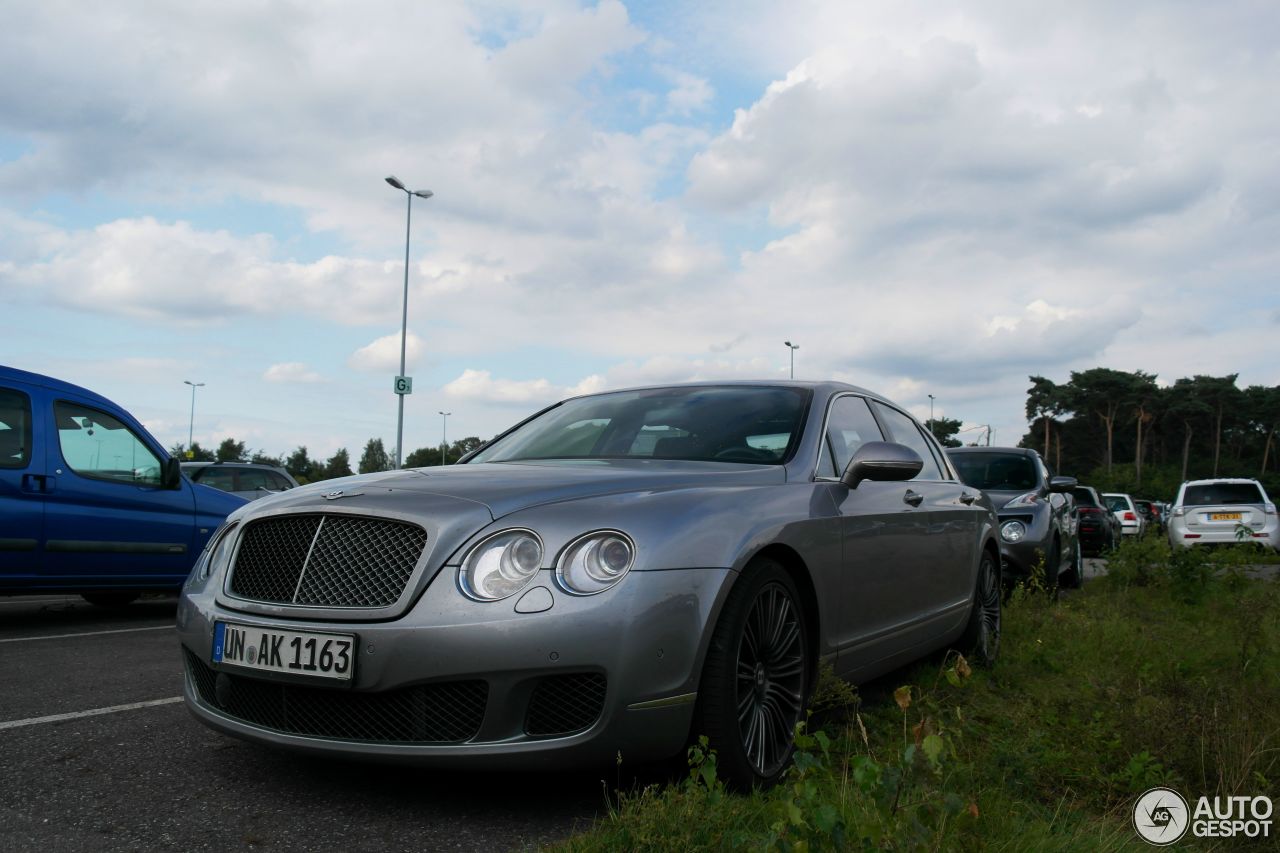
(1075, 577)
(110, 599)
(1052, 562)
(980, 642)
(752, 695)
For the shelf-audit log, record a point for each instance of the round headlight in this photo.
(501, 565)
(217, 555)
(595, 562)
(1013, 531)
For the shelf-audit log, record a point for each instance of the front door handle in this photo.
(967, 498)
(913, 498)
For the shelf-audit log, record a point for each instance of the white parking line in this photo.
(86, 634)
(54, 718)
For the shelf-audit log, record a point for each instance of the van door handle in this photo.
(37, 483)
(967, 498)
(913, 498)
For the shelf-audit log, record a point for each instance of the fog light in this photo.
(1013, 531)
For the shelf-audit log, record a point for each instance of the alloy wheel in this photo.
(769, 678)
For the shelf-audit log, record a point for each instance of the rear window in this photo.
(1117, 503)
(1084, 497)
(1222, 493)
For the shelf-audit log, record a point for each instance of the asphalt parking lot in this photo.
(98, 753)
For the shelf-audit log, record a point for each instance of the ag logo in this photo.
(1161, 816)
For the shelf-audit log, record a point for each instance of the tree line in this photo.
(305, 469)
(1124, 431)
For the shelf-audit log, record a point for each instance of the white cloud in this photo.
(290, 371)
(480, 386)
(383, 354)
(689, 93)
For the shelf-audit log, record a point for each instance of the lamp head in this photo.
(395, 182)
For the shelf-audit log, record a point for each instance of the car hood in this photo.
(1000, 497)
(507, 487)
(211, 501)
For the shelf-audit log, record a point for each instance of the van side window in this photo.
(97, 445)
(849, 426)
(15, 429)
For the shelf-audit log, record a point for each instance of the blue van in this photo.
(90, 503)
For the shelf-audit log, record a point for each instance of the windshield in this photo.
(1222, 493)
(1117, 503)
(742, 424)
(998, 471)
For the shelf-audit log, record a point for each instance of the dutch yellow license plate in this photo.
(1224, 516)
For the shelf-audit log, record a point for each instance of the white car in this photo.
(1122, 507)
(1223, 511)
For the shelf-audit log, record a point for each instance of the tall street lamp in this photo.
(933, 431)
(191, 427)
(444, 441)
(403, 384)
(792, 347)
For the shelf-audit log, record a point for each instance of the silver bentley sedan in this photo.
(618, 573)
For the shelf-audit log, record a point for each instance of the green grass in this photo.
(1164, 672)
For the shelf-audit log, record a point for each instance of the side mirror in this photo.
(881, 460)
(1063, 484)
(171, 475)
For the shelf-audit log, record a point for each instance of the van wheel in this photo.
(110, 599)
(756, 680)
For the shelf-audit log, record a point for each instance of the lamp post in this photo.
(932, 431)
(792, 347)
(444, 441)
(402, 386)
(191, 427)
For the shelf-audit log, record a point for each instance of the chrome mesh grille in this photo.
(326, 560)
(564, 704)
(428, 713)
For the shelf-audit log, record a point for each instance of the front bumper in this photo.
(1021, 557)
(625, 665)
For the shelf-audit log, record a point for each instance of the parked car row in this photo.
(1036, 510)
(617, 573)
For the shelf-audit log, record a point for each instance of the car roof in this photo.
(40, 380)
(1213, 480)
(1018, 451)
(206, 464)
(819, 386)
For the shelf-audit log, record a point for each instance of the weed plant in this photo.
(1163, 672)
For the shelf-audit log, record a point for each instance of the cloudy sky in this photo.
(928, 197)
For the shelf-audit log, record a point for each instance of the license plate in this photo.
(1225, 516)
(279, 650)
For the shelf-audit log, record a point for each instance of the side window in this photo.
(97, 445)
(904, 431)
(277, 483)
(251, 480)
(219, 478)
(15, 429)
(849, 426)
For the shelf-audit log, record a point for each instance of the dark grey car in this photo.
(1037, 511)
(615, 574)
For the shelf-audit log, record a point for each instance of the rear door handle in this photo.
(967, 498)
(913, 498)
